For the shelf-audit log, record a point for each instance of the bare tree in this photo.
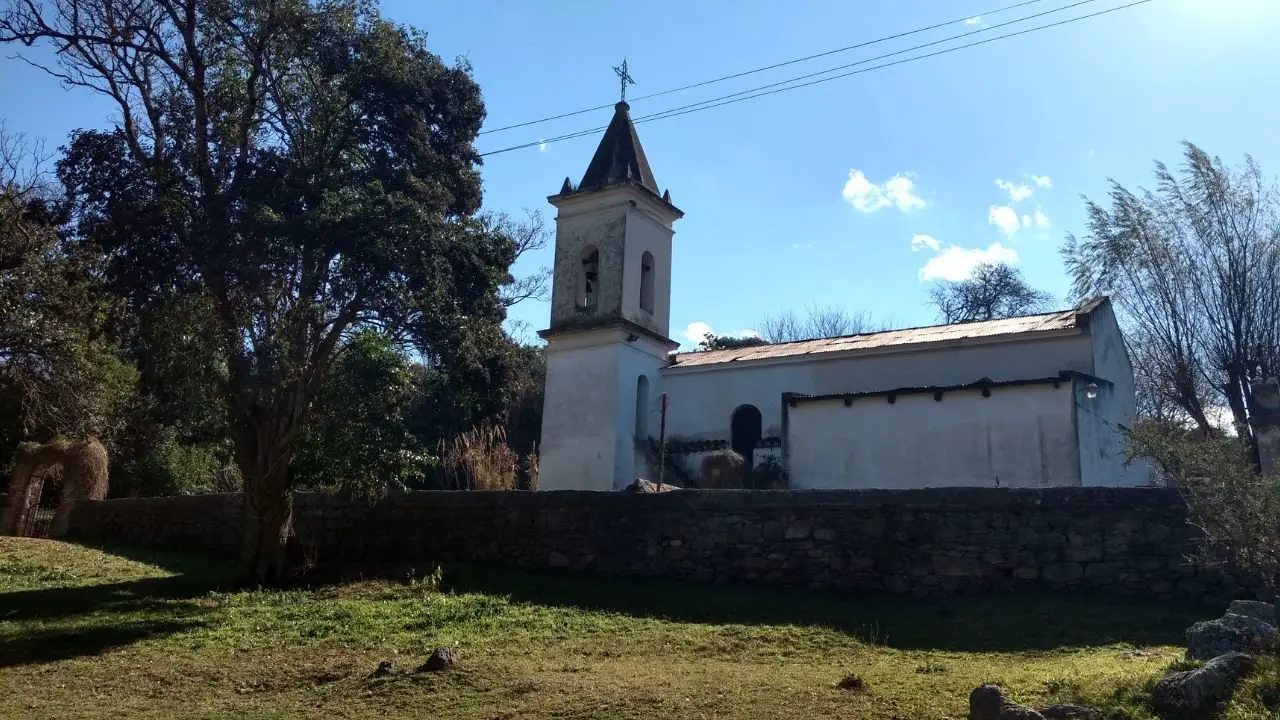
(990, 292)
(1194, 268)
(24, 194)
(529, 235)
(818, 322)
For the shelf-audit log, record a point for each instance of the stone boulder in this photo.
(1198, 694)
(1067, 711)
(644, 486)
(440, 660)
(987, 702)
(1230, 633)
(1264, 611)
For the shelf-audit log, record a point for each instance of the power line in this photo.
(873, 59)
(774, 66)
(695, 107)
(742, 96)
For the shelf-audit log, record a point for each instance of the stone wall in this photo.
(928, 542)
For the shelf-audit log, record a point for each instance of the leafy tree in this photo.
(360, 441)
(306, 167)
(818, 322)
(58, 373)
(1194, 270)
(711, 341)
(990, 292)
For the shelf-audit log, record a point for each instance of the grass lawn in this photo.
(89, 633)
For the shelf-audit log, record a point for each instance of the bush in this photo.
(1237, 509)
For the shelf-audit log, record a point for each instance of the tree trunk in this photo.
(267, 524)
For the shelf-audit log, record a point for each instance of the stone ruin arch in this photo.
(84, 477)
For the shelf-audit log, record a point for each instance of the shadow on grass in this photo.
(91, 619)
(1002, 622)
(54, 645)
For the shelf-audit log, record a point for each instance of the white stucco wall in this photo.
(651, 231)
(1102, 459)
(1023, 436)
(702, 400)
(580, 419)
(589, 414)
(634, 360)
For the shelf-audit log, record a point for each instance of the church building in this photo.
(1033, 401)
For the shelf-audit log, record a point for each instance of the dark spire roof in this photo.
(620, 158)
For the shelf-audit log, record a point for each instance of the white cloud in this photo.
(1026, 221)
(1043, 181)
(868, 197)
(1017, 191)
(542, 146)
(956, 263)
(1003, 217)
(973, 20)
(1042, 220)
(801, 246)
(697, 331)
(920, 242)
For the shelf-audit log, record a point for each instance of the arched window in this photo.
(646, 281)
(745, 431)
(589, 277)
(642, 408)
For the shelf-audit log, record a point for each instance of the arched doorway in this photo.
(745, 432)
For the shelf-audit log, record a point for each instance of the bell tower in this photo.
(610, 317)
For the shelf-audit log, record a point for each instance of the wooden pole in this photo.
(662, 442)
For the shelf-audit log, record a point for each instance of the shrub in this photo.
(1236, 508)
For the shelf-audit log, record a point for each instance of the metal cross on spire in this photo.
(624, 77)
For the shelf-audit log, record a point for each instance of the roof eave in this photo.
(880, 350)
(559, 198)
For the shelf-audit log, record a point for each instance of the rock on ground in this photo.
(1197, 694)
(987, 702)
(1230, 633)
(1067, 711)
(644, 486)
(440, 660)
(1264, 611)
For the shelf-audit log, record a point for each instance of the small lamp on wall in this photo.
(1091, 390)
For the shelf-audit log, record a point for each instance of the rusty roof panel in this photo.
(1062, 320)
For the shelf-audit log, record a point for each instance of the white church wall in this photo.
(634, 360)
(703, 400)
(1102, 458)
(579, 419)
(1115, 406)
(1023, 436)
(647, 233)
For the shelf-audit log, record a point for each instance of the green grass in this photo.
(90, 633)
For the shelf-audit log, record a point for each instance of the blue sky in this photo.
(855, 192)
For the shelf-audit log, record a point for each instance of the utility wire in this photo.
(677, 110)
(768, 67)
(763, 90)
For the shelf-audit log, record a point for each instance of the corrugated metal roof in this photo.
(1061, 320)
